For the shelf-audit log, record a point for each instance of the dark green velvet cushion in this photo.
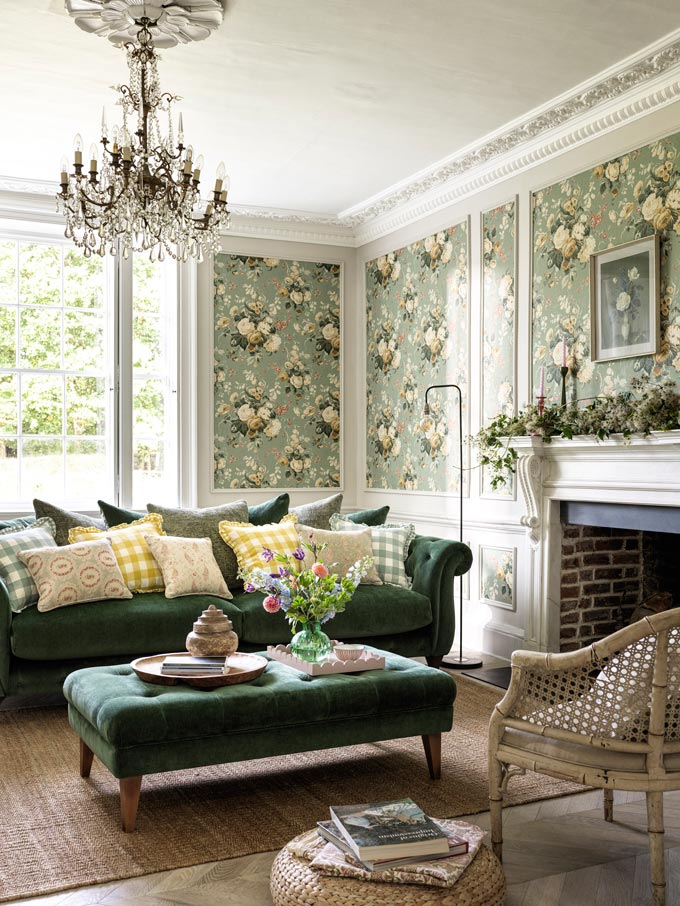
(270, 511)
(369, 517)
(116, 515)
(145, 624)
(127, 712)
(18, 523)
(374, 610)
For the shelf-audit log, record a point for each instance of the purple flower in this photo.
(282, 571)
(267, 554)
(299, 554)
(249, 587)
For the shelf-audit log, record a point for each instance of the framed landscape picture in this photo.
(624, 300)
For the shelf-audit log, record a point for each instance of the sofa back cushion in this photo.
(21, 588)
(204, 523)
(137, 564)
(75, 574)
(249, 541)
(64, 520)
(318, 513)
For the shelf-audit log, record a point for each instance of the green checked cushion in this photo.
(390, 544)
(15, 574)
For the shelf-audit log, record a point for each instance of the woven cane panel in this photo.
(673, 694)
(608, 699)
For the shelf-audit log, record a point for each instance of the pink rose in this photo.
(271, 604)
(319, 571)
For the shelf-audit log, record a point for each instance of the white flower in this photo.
(673, 198)
(505, 286)
(587, 248)
(272, 429)
(273, 343)
(651, 205)
(623, 302)
(560, 237)
(245, 326)
(579, 231)
(245, 412)
(328, 414)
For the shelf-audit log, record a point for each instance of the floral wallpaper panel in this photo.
(417, 328)
(499, 265)
(277, 373)
(618, 200)
(497, 567)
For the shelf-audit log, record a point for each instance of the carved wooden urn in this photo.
(213, 635)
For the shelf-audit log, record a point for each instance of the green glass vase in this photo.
(311, 643)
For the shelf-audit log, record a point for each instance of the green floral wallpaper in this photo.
(499, 262)
(417, 329)
(497, 575)
(617, 201)
(277, 373)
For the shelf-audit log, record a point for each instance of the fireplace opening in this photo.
(619, 563)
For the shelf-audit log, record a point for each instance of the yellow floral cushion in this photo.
(248, 541)
(137, 564)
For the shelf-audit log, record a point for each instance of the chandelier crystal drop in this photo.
(141, 192)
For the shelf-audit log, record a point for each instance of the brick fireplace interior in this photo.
(614, 559)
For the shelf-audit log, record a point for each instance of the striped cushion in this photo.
(390, 544)
(248, 541)
(137, 564)
(15, 574)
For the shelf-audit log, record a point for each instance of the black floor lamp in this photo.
(460, 662)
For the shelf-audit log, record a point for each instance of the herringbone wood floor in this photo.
(557, 853)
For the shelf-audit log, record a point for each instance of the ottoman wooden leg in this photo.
(86, 756)
(129, 800)
(433, 752)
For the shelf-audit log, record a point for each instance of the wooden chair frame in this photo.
(619, 696)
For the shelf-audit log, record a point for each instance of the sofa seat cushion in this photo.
(146, 624)
(128, 712)
(374, 611)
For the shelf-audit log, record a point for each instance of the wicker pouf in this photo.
(293, 883)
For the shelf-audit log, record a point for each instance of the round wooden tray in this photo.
(242, 668)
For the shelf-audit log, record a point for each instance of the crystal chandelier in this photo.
(142, 194)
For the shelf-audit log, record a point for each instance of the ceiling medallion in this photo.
(141, 191)
(172, 21)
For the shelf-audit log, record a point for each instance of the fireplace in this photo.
(601, 519)
(614, 567)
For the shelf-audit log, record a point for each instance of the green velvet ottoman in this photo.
(138, 728)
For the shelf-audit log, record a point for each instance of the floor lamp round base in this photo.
(461, 663)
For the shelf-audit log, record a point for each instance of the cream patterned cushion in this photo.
(75, 574)
(13, 572)
(342, 551)
(248, 541)
(188, 565)
(390, 542)
(137, 564)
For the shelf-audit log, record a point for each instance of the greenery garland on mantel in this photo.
(642, 409)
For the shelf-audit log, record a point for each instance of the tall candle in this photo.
(564, 352)
(541, 383)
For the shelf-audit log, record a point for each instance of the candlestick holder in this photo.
(541, 404)
(564, 371)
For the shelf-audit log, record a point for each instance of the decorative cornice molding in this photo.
(635, 87)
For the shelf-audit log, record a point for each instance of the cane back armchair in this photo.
(606, 716)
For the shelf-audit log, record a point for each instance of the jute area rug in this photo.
(60, 831)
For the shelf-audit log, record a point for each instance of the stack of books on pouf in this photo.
(186, 665)
(395, 841)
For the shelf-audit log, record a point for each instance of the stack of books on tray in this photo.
(186, 665)
(389, 835)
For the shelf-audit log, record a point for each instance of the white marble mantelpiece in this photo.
(643, 471)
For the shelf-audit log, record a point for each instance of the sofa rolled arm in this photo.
(5, 628)
(433, 563)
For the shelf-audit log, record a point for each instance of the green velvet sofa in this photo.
(38, 650)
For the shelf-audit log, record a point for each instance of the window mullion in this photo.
(123, 422)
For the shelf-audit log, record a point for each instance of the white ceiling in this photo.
(317, 105)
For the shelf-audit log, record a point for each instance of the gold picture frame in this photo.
(624, 300)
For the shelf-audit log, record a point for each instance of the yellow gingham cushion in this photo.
(136, 562)
(248, 541)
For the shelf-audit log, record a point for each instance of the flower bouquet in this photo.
(309, 596)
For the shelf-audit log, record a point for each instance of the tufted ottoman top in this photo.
(127, 712)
